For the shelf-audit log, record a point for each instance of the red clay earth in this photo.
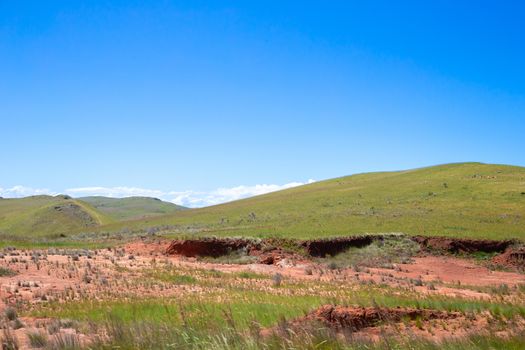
(213, 247)
(373, 324)
(216, 247)
(266, 251)
(513, 258)
(58, 276)
(357, 318)
(324, 247)
(457, 245)
(269, 251)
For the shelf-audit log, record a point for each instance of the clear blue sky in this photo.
(196, 95)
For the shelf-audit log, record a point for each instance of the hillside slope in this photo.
(47, 216)
(131, 207)
(460, 200)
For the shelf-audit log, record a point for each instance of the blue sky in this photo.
(199, 97)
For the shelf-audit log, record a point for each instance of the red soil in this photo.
(513, 258)
(357, 318)
(323, 247)
(213, 247)
(458, 245)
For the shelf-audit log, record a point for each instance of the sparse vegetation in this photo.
(381, 253)
(478, 201)
(128, 296)
(7, 272)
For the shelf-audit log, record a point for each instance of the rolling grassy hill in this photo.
(131, 207)
(460, 200)
(59, 216)
(48, 216)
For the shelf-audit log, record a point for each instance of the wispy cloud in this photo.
(188, 198)
(223, 195)
(116, 192)
(23, 191)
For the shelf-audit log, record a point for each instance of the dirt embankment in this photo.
(458, 245)
(512, 257)
(213, 247)
(324, 247)
(271, 251)
(268, 251)
(340, 318)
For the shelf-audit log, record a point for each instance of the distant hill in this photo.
(58, 216)
(131, 207)
(459, 200)
(47, 216)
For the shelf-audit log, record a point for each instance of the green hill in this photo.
(47, 216)
(131, 207)
(460, 200)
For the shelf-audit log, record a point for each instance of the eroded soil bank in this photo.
(158, 269)
(270, 251)
(342, 318)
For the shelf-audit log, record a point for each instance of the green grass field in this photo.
(131, 207)
(47, 216)
(458, 200)
(232, 309)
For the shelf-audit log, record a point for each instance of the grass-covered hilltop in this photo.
(51, 218)
(131, 207)
(460, 200)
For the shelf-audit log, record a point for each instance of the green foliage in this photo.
(131, 207)
(6, 272)
(173, 277)
(46, 216)
(250, 275)
(381, 253)
(479, 201)
(37, 339)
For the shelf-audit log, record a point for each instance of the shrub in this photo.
(277, 279)
(10, 313)
(9, 341)
(5, 272)
(37, 339)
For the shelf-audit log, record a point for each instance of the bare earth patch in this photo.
(151, 268)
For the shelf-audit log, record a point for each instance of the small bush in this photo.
(37, 339)
(64, 342)
(10, 313)
(5, 272)
(9, 341)
(277, 279)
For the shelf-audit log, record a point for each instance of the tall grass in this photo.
(144, 335)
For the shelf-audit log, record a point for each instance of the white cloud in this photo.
(223, 195)
(23, 191)
(115, 192)
(193, 199)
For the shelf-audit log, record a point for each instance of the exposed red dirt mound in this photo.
(274, 256)
(511, 258)
(357, 318)
(458, 245)
(324, 247)
(266, 251)
(213, 247)
(269, 249)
